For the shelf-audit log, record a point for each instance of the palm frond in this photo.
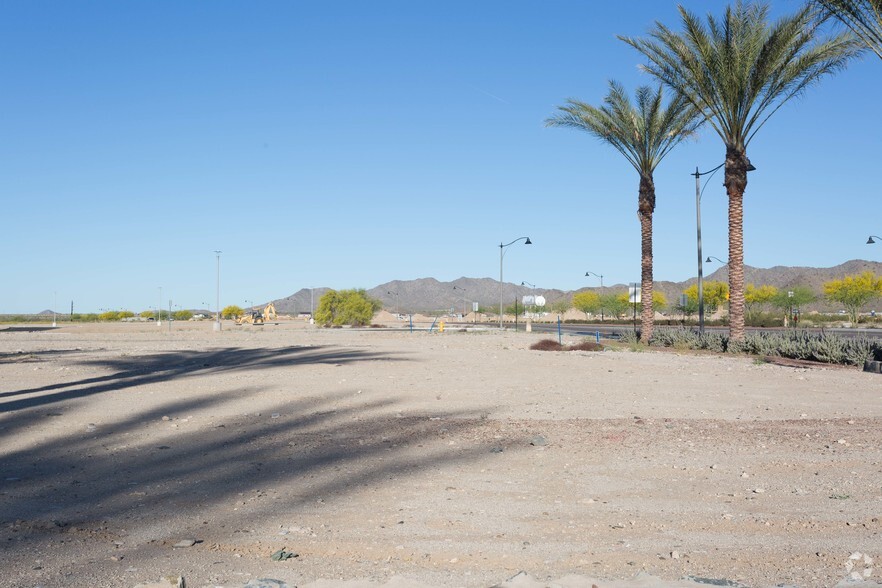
(863, 17)
(643, 131)
(741, 69)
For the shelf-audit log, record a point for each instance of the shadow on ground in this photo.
(140, 370)
(157, 472)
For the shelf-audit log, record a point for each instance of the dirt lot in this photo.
(454, 459)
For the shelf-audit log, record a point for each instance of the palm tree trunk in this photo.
(736, 183)
(646, 206)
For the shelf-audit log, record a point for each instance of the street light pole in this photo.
(397, 301)
(217, 324)
(463, 300)
(532, 293)
(698, 192)
(601, 290)
(159, 309)
(501, 255)
(54, 308)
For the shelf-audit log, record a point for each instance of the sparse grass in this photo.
(552, 345)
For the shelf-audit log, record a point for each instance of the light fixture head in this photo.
(528, 242)
(870, 241)
(750, 166)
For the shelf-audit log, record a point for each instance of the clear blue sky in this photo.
(348, 144)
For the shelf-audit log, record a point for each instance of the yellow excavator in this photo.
(258, 317)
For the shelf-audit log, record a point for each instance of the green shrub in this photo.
(822, 347)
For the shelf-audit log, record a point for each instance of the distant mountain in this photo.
(428, 295)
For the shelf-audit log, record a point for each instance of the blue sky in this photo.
(348, 144)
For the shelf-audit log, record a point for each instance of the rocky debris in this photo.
(265, 583)
(167, 582)
(282, 555)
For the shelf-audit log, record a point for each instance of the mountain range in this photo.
(429, 296)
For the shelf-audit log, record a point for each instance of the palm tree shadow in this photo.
(141, 370)
(138, 473)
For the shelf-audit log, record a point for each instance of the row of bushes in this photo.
(823, 347)
(759, 319)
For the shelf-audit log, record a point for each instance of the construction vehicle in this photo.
(258, 317)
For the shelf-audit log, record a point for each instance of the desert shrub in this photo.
(823, 347)
(629, 337)
(232, 312)
(552, 345)
(546, 345)
(585, 346)
(345, 307)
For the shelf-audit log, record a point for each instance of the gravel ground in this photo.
(131, 453)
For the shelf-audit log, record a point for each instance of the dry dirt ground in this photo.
(417, 459)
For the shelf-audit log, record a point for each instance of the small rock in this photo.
(538, 441)
(265, 583)
(758, 490)
(185, 543)
(675, 555)
(282, 555)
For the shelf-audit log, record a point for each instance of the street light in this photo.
(397, 301)
(159, 309)
(709, 257)
(699, 190)
(601, 290)
(501, 255)
(870, 240)
(463, 300)
(532, 293)
(217, 324)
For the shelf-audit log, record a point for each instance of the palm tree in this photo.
(863, 17)
(739, 72)
(644, 133)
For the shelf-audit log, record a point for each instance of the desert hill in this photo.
(430, 296)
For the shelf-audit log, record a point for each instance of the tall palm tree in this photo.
(863, 17)
(644, 133)
(739, 71)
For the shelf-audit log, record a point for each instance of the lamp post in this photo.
(54, 308)
(159, 309)
(532, 293)
(217, 324)
(397, 301)
(601, 290)
(502, 247)
(699, 190)
(463, 290)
